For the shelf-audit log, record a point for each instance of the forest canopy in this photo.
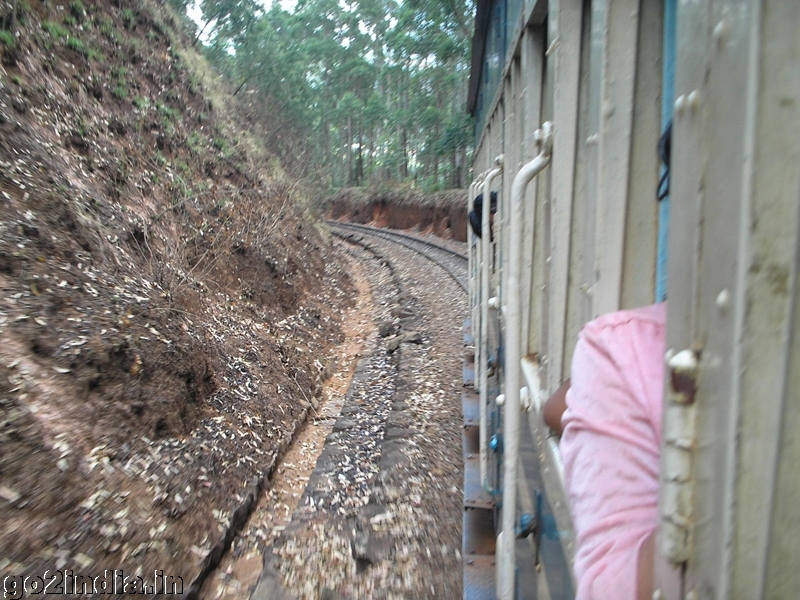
(359, 91)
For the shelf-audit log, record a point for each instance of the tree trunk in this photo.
(404, 156)
(369, 140)
(196, 39)
(241, 85)
(360, 159)
(349, 141)
(327, 151)
(404, 131)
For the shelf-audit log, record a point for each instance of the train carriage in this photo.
(570, 99)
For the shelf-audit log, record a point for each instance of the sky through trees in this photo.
(367, 91)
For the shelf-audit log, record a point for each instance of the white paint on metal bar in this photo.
(642, 213)
(564, 18)
(532, 67)
(483, 367)
(474, 277)
(511, 414)
(685, 213)
(530, 371)
(552, 466)
(471, 250)
(618, 76)
(677, 464)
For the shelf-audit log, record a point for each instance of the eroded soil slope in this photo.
(165, 309)
(443, 214)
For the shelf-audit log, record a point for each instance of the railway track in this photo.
(380, 509)
(454, 263)
(478, 541)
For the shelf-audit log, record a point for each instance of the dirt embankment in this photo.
(165, 309)
(442, 213)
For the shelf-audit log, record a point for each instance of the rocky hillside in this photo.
(165, 307)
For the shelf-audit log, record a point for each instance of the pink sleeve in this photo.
(610, 447)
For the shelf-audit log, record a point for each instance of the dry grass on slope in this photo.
(164, 303)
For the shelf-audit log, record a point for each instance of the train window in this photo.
(667, 95)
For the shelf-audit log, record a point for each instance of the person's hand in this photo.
(555, 407)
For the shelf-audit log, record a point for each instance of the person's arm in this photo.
(610, 447)
(647, 553)
(555, 407)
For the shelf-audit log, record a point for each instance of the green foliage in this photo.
(77, 10)
(129, 18)
(168, 113)
(119, 84)
(457, 133)
(77, 45)
(56, 31)
(119, 91)
(134, 45)
(183, 167)
(7, 39)
(89, 52)
(80, 128)
(179, 6)
(219, 144)
(194, 142)
(375, 88)
(106, 27)
(140, 103)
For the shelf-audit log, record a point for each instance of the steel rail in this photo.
(392, 232)
(408, 241)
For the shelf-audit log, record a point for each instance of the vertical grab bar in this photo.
(511, 420)
(486, 237)
(474, 279)
(471, 247)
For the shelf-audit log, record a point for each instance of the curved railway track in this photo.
(454, 263)
(379, 476)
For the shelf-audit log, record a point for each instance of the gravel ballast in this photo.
(381, 515)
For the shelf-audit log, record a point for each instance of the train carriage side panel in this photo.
(579, 272)
(733, 268)
(779, 156)
(590, 220)
(614, 44)
(641, 221)
(532, 66)
(540, 190)
(564, 67)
